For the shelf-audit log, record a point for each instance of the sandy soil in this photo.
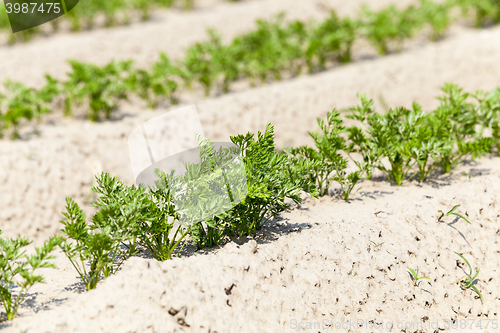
(315, 263)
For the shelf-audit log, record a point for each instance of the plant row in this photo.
(234, 191)
(266, 53)
(116, 12)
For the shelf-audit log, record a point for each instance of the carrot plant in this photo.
(86, 247)
(18, 269)
(359, 140)
(270, 49)
(21, 104)
(437, 15)
(388, 26)
(391, 135)
(199, 66)
(331, 39)
(484, 11)
(452, 212)
(226, 60)
(329, 144)
(161, 81)
(156, 231)
(114, 232)
(207, 190)
(122, 209)
(454, 123)
(327, 162)
(271, 177)
(487, 113)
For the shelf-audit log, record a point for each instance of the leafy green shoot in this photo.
(452, 212)
(415, 277)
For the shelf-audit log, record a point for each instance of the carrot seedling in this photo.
(466, 281)
(452, 212)
(415, 277)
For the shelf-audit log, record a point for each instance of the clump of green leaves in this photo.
(98, 250)
(128, 217)
(455, 124)
(113, 234)
(156, 231)
(466, 281)
(328, 164)
(102, 87)
(207, 190)
(391, 135)
(487, 114)
(359, 141)
(484, 11)
(389, 26)
(437, 15)
(199, 66)
(409, 137)
(18, 269)
(452, 212)
(329, 143)
(415, 277)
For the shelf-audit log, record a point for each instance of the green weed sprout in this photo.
(330, 164)
(98, 249)
(415, 276)
(14, 271)
(452, 212)
(467, 282)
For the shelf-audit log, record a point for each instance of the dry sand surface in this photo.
(315, 263)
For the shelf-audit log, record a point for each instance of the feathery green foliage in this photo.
(415, 277)
(271, 177)
(469, 279)
(103, 86)
(274, 48)
(18, 269)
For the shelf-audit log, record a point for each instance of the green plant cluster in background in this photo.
(17, 269)
(403, 143)
(132, 218)
(266, 53)
(115, 12)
